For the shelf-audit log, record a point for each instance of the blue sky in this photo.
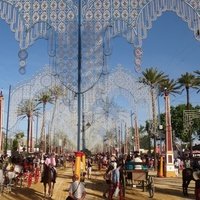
(170, 46)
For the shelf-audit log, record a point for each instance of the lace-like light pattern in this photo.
(57, 20)
(97, 105)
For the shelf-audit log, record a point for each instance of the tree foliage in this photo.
(27, 108)
(177, 122)
(187, 81)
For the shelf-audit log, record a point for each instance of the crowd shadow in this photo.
(173, 187)
(177, 191)
(22, 194)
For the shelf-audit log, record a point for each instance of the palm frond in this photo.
(170, 86)
(152, 77)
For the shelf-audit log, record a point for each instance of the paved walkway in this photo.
(166, 189)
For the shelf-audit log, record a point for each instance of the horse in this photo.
(187, 176)
(48, 177)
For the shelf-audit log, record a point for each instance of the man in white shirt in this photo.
(77, 189)
(137, 159)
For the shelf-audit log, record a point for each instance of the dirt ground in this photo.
(165, 189)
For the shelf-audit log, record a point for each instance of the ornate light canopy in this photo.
(79, 32)
(98, 101)
(57, 21)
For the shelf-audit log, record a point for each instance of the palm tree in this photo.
(16, 141)
(28, 108)
(110, 137)
(197, 72)
(188, 81)
(170, 86)
(44, 98)
(56, 92)
(153, 78)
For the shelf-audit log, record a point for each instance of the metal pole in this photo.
(121, 138)
(132, 113)
(7, 124)
(79, 76)
(125, 137)
(83, 124)
(159, 130)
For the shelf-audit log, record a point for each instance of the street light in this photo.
(84, 127)
(132, 137)
(87, 125)
(136, 141)
(160, 128)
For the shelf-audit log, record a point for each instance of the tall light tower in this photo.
(169, 155)
(136, 135)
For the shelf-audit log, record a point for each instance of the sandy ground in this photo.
(165, 189)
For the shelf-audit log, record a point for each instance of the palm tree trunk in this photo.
(31, 134)
(188, 108)
(188, 98)
(42, 135)
(28, 134)
(51, 125)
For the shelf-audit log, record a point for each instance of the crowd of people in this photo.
(113, 166)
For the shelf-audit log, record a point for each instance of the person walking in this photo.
(89, 168)
(108, 178)
(116, 186)
(76, 189)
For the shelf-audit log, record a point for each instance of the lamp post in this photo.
(160, 135)
(136, 145)
(84, 127)
(83, 124)
(132, 137)
(137, 138)
(79, 75)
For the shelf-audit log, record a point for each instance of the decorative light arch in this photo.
(57, 21)
(63, 21)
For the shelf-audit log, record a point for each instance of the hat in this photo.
(196, 175)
